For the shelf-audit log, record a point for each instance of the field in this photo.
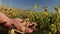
(46, 22)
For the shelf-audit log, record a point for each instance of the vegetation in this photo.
(47, 22)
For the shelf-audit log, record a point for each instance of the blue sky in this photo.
(28, 4)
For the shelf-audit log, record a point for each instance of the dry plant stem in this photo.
(11, 31)
(27, 23)
(18, 31)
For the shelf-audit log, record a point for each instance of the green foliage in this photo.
(47, 22)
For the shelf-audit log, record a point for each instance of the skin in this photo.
(17, 23)
(5, 20)
(21, 26)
